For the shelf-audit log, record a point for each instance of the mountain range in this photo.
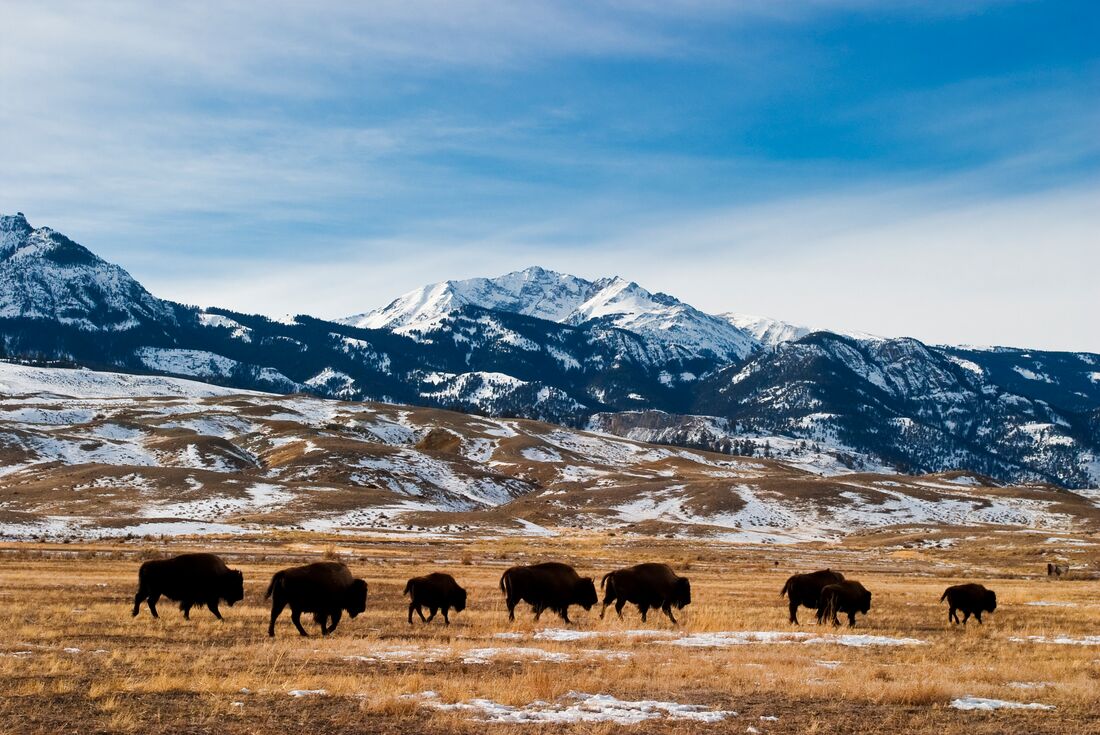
(606, 355)
(93, 454)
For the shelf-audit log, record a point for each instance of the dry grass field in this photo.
(73, 660)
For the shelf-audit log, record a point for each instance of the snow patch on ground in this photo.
(1058, 640)
(748, 637)
(577, 707)
(981, 703)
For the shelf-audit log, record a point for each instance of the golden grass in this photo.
(127, 675)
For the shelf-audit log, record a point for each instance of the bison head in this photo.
(585, 593)
(355, 597)
(681, 593)
(866, 602)
(990, 601)
(458, 601)
(232, 587)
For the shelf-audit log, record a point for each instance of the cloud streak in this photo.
(790, 158)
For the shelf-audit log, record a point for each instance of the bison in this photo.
(972, 599)
(325, 589)
(190, 579)
(848, 597)
(647, 586)
(805, 589)
(548, 586)
(436, 591)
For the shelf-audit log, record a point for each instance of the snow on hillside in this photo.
(103, 454)
(81, 383)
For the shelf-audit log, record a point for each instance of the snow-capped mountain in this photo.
(608, 354)
(566, 299)
(45, 275)
(766, 330)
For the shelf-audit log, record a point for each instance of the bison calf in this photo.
(805, 589)
(548, 586)
(972, 599)
(190, 579)
(647, 586)
(847, 597)
(436, 591)
(325, 589)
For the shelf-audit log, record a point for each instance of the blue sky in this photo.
(929, 169)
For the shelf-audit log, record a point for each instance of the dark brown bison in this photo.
(848, 597)
(325, 589)
(647, 586)
(190, 579)
(805, 589)
(972, 599)
(436, 591)
(548, 586)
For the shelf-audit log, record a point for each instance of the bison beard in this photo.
(649, 586)
(190, 579)
(548, 586)
(325, 589)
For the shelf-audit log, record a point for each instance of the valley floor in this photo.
(72, 659)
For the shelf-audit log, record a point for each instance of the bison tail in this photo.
(603, 582)
(943, 596)
(505, 583)
(271, 587)
(408, 588)
(786, 586)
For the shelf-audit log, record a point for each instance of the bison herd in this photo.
(327, 590)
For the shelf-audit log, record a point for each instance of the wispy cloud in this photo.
(293, 157)
(913, 261)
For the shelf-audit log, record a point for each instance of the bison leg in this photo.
(608, 598)
(296, 618)
(644, 609)
(431, 613)
(335, 618)
(966, 616)
(978, 615)
(186, 607)
(152, 603)
(277, 606)
(446, 620)
(667, 610)
(851, 620)
(793, 608)
(538, 612)
(953, 616)
(564, 612)
(511, 611)
(212, 606)
(138, 599)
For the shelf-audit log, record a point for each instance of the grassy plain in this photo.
(73, 660)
